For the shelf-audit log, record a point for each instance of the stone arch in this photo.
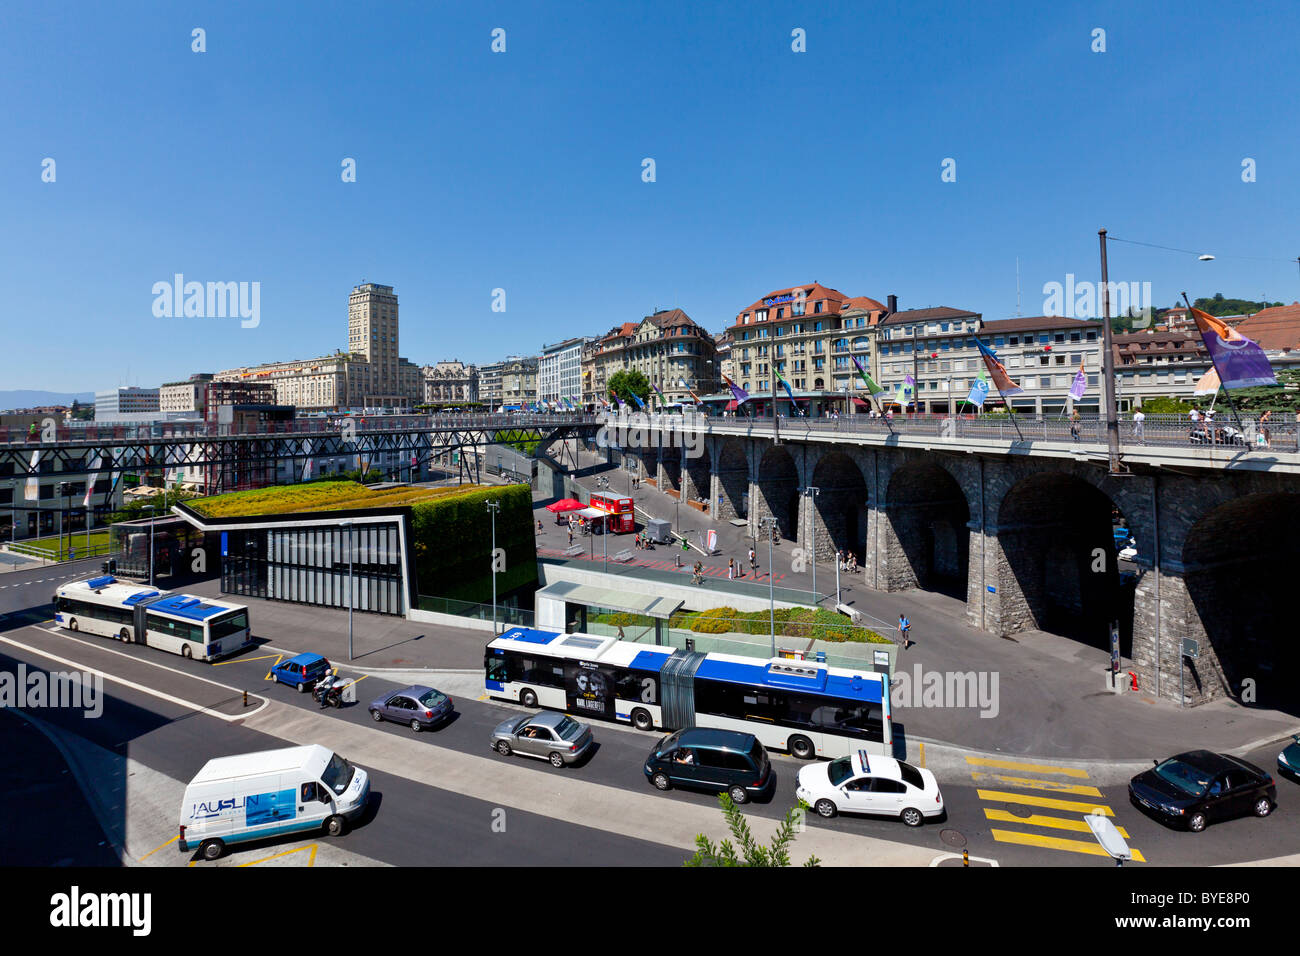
(839, 510)
(733, 481)
(1238, 561)
(778, 489)
(1059, 571)
(670, 460)
(928, 518)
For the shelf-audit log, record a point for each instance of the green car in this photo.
(1288, 761)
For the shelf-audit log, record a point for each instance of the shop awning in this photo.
(593, 513)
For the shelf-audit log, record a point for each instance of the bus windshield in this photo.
(225, 624)
(338, 774)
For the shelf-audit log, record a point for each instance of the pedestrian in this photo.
(621, 635)
(570, 534)
(905, 629)
(731, 569)
(539, 524)
(1074, 426)
(753, 564)
(1139, 418)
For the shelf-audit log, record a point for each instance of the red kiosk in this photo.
(617, 512)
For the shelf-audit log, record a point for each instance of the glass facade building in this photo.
(309, 564)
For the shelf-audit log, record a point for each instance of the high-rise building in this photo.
(559, 370)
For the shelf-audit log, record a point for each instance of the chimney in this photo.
(893, 304)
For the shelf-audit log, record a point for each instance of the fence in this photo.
(506, 616)
(54, 549)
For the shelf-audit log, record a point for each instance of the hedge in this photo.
(812, 623)
(313, 496)
(453, 543)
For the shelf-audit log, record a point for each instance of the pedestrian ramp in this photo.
(1041, 805)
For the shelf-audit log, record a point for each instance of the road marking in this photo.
(1055, 786)
(1070, 806)
(245, 660)
(310, 848)
(1041, 820)
(1032, 767)
(140, 687)
(157, 848)
(273, 666)
(1057, 843)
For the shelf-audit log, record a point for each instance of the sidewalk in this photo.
(1051, 697)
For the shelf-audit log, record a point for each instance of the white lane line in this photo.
(140, 687)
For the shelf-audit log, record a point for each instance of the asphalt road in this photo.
(418, 824)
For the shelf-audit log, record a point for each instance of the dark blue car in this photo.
(301, 672)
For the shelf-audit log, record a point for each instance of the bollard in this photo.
(965, 857)
(245, 698)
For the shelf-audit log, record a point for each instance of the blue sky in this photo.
(522, 170)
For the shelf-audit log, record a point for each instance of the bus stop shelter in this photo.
(564, 606)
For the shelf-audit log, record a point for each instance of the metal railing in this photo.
(506, 616)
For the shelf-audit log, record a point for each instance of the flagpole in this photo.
(1223, 383)
(1117, 466)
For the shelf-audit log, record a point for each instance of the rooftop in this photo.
(316, 496)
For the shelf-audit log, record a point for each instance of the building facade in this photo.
(489, 383)
(451, 382)
(669, 348)
(125, 401)
(190, 396)
(519, 381)
(559, 371)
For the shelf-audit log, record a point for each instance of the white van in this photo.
(253, 796)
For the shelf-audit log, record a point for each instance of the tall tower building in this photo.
(372, 333)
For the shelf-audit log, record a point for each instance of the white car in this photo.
(869, 783)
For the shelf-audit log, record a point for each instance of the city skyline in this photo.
(523, 171)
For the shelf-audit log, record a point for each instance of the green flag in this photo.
(872, 387)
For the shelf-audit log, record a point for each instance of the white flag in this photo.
(94, 477)
(32, 490)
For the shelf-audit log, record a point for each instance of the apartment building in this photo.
(559, 370)
(449, 383)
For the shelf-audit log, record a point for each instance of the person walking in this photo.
(570, 534)
(1139, 422)
(1074, 426)
(905, 629)
(753, 564)
(731, 569)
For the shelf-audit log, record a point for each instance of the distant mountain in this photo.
(31, 398)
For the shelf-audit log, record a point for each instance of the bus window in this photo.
(497, 668)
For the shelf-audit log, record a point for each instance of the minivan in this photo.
(302, 671)
(717, 760)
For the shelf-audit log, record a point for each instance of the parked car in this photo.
(548, 736)
(1288, 761)
(870, 783)
(1200, 787)
(301, 672)
(418, 707)
(717, 760)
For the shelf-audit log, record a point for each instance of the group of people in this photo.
(643, 542)
(846, 562)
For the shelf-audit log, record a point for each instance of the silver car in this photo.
(548, 736)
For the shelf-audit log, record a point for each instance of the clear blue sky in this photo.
(522, 170)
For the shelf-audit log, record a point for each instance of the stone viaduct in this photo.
(1022, 533)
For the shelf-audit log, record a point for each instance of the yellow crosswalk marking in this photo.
(1056, 786)
(1070, 806)
(1056, 843)
(1042, 820)
(1031, 767)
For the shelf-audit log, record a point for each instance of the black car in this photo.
(718, 760)
(1200, 787)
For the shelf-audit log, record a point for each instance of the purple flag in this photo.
(739, 393)
(1080, 384)
(1240, 362)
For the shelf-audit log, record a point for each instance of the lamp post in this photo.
(770, 522)
(810, 493)
(348, 524)
(494, 507)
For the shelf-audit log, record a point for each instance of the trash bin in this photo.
(658, 530)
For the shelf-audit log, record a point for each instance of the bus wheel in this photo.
(124, 636)
(186, 652)
(642, 720)
(211, 849)
(335, 826)
(801, 747)
(73, 625)
(528, 697)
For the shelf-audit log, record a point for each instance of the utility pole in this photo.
(776, 426)
(494, 507)
(769, 523)
(1117, 466)
(810, 493)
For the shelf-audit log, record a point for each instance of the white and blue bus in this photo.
(804, 708)
(198, 627)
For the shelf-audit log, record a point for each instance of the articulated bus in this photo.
(805, 708)
(198, 627)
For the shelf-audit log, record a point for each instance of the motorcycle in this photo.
(328, 691)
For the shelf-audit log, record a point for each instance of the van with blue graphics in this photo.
(259, 795)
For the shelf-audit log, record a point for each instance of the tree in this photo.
(1218, 305)
(751, 853)
(628, 382)
(1165, 405)
(135, 509)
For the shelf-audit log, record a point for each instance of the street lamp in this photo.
(770, 522)
(494, 507)
(810, 493)
(348, 524)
